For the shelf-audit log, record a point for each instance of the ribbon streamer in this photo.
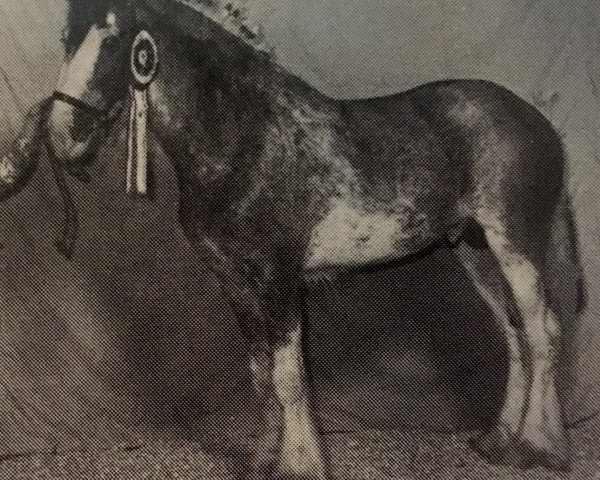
(137, 157)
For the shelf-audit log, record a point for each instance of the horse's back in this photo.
(467, 143)
(431, 160)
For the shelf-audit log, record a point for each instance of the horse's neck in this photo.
(228, 127)
(237, 109)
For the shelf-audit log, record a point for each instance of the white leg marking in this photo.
(542, 426)
(490, 286)
(300, 446)
(263, 449)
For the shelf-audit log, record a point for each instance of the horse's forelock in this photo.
(82, 14)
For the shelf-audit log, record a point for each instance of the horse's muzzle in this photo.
(74, 134)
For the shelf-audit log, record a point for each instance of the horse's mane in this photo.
(227, 57)
(233, 16)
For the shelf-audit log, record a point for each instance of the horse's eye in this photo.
(64, 36)
(112, 42)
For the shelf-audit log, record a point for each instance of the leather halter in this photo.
(79, 104)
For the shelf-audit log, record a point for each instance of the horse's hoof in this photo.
(493, 445)
(296, 476)
(556, 458)
(286, 474)
(499, 448)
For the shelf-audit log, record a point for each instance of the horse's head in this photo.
(94, 80)
(106, 52)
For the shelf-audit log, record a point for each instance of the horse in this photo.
(281, 185)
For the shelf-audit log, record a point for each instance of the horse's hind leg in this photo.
(541, 437)
(485, 273)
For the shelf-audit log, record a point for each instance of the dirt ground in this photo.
(364, 455)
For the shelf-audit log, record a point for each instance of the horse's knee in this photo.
(289, 374)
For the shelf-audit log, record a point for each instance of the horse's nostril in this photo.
(82, 129)
(70, 133)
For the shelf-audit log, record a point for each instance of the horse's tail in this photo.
(564, 272)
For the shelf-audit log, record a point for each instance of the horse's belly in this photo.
(351, 236)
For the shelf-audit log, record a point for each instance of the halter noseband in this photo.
(79, 104)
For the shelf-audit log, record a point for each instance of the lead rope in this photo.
(65, 243)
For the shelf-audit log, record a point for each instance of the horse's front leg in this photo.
(254, 327)
(288, 446)
(269, 306)
(301, 454)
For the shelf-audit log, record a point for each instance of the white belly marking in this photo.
(351, 236)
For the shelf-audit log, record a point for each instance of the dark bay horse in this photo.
(280, 185)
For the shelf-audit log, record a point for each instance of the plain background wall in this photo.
(134, 312)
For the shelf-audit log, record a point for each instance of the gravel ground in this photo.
(361, 455)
